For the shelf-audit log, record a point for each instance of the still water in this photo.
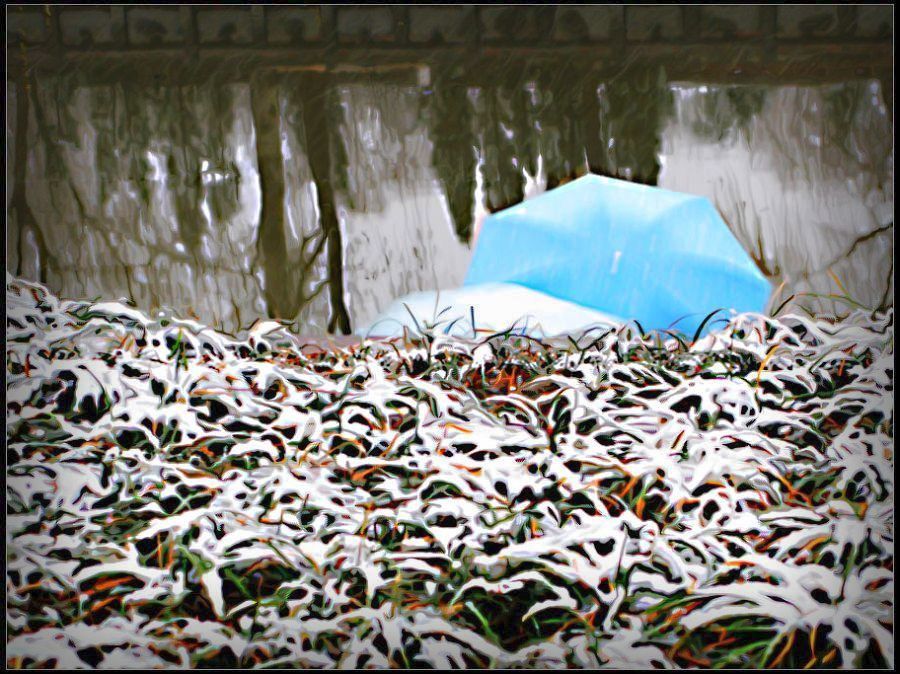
(155, 194)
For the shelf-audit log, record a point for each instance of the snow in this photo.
(497, 307)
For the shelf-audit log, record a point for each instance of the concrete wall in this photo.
(144, 26)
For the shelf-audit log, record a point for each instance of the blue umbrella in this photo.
(625, 249)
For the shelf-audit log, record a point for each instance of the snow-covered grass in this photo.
(178, 497)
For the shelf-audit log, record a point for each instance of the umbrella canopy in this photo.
(624, 249)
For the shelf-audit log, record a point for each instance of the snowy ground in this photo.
(177, 497)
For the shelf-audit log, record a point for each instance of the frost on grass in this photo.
(180, 498)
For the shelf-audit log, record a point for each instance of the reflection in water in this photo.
(804, 176)
(399, 238)
(155, 193)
